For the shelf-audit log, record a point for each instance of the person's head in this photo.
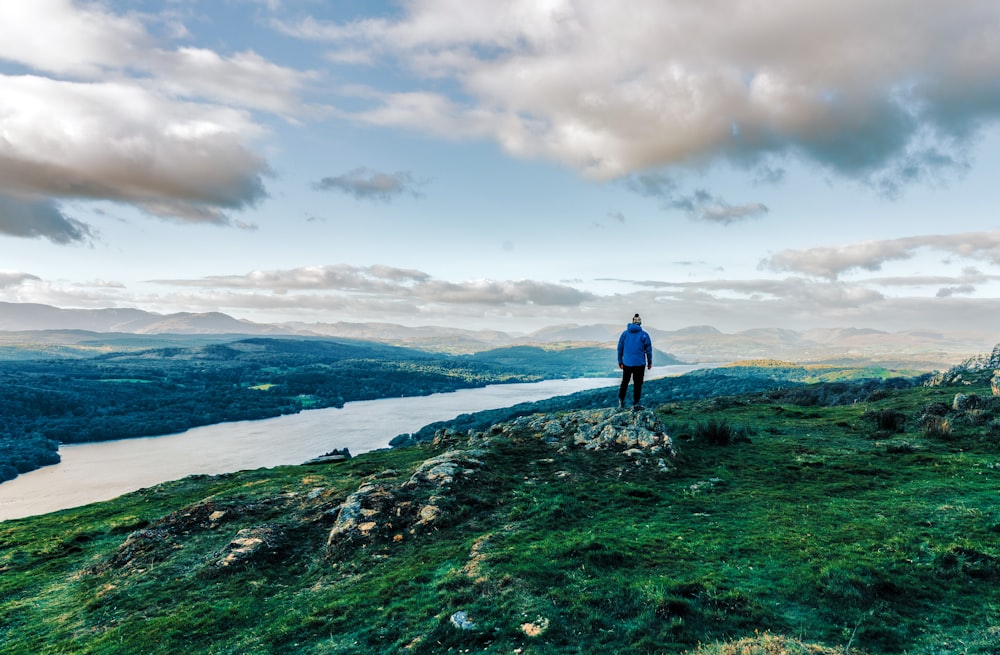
(637, 319)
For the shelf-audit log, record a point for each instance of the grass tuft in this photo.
(719, 432)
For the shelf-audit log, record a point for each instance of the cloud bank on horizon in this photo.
(139, 105)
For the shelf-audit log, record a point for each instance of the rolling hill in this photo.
(908, 349)
(785, 521)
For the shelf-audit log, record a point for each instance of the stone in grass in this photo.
(461, 620)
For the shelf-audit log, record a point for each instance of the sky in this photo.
(506, 165)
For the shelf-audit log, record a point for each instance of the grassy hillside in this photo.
(827, 385)
(765, 523)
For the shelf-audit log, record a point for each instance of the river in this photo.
(93, 472)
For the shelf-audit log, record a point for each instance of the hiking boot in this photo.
(637, 407)
(621, 403)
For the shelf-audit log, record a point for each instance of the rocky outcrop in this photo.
(639, 435)
(392, 511)
(148, 546)
(962, 402)
(154, 543)
(387, 510)
(367, 513)
(974, 369)
(441, 471)
(140, 549)
(335, 456)
(391, 506)
(251, 545)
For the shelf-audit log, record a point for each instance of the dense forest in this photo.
(147, 392)
(571, 362)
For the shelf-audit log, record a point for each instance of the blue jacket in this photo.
(635, 348)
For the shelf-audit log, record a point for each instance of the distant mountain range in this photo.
(909, 349)
(32, 316)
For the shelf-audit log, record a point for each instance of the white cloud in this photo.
(334, 277)
(62, 36)
(107, 112)
(14, 278)
(366, 184)
(888, 90)
(273, 5)
(245, 79)
(968, 278)
(396, 284)
(120, 142)
(341, 292)
(96, 44)
(735, 305)
(831, 262)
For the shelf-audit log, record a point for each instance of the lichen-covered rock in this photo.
(637, 434)
(360, 513)
(251, 545)
(975, 369)
(140, 549)
(962, 402)
(441, 471)
(154, 543)
(428, 514)
(445, 436)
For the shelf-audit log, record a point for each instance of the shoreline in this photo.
(96, 471)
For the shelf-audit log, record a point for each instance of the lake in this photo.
(93, 472)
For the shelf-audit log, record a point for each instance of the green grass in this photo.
(815, 527)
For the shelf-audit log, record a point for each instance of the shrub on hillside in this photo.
(719, 432)
(878, 394)
(936, 427)
(935, 409)
(976, 417)
(886, 420)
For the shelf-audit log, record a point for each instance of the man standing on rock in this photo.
(635, 350)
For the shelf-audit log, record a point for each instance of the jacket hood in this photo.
(632, 327)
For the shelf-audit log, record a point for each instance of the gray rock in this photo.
(962, 402)
(461, 620)
(250, 545)
(357, 515)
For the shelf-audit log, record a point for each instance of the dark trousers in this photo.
(634, 373)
